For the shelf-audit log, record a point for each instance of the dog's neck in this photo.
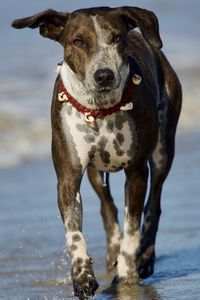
(91, 100)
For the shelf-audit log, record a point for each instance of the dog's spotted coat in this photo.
(107, 145)
(100, 41)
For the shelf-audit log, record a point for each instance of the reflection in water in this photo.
(137, 292)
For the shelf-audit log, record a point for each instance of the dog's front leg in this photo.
(70, 205)
(135, 189)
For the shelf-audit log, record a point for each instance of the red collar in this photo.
(96, 113)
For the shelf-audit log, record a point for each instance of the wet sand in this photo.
(33, 263)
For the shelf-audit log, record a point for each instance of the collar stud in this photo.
(89, 119)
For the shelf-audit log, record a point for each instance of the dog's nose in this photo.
(104, 77)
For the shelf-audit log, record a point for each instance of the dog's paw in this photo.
(146, 261)
(84, 281)
(85, 286)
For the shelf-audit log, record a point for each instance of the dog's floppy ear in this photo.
(145, 20)
(50, 22)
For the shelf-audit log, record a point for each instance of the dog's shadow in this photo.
(175, 265)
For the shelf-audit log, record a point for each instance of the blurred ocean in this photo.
(28, 63)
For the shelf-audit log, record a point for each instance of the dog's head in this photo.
(94, 41)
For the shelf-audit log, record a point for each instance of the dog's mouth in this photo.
(105, 89)
(103, 97)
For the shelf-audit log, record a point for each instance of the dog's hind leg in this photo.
(109, 215)
(160, 164)
(159, 169)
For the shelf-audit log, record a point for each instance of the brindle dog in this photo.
(115, 106)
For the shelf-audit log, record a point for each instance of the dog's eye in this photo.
(116, 38)
(79, 43)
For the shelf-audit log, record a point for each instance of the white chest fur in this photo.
(108, 144)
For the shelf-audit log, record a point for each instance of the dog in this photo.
(116, 104)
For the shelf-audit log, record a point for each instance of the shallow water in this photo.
(33, 263)
(28, 62)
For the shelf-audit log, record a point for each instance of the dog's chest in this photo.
(108, 144)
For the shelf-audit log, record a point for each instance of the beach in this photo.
(33, 261)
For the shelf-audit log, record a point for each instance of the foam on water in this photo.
(28, 63)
